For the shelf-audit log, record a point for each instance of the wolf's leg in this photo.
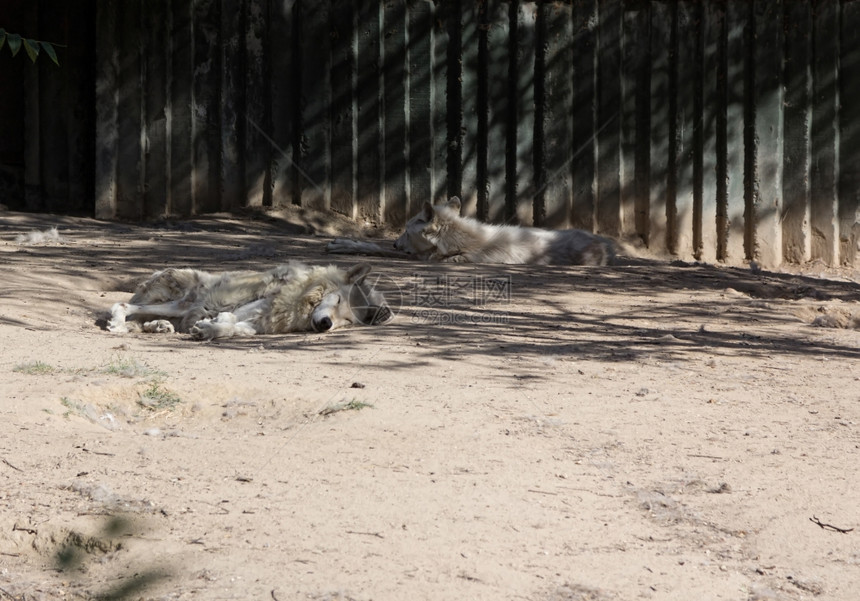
(440, 258)
(158, 326)
(347, 246)
(117, 318)
(253, 310)
(120, 311)
(224, 326)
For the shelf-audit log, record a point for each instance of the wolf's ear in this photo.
(427, 211)
(357, 273)
(454, 203)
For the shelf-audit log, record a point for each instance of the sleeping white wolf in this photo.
(439, 233)
(289, 298)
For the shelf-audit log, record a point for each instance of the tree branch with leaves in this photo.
(31, 47)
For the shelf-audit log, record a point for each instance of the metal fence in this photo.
(713, 130)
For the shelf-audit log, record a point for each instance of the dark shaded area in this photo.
(548, 311)
(48, 113)
(77, 550)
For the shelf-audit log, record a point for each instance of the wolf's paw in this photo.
(117, 327)
(117, 319)
(225, 317)
(202, 330)
(158, 326)
(454, 259)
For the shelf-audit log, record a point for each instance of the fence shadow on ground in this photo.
(634, 309)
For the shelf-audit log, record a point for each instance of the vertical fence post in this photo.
(483, 114)
(205, 100)
(825, 134)
(396, 55)
(420, 125)
(439, 101)
(343, 61)
(131, 86)
(849, 136)
(283, 94)
(796, 119)
(316, 94)
(662, 125)
(768, 102)
(155, 108)
(713, 18)
(454, 97)
(608, 118)
(107, 133)
(179, 200)
(635, 124)
(470, 106)
(80, 103)
(583, 106)
(687, 209)
(523, 56)
(558, 144)
(737, 36)
(256, 121)
(499, 125)
(369, 135)
(232, 106)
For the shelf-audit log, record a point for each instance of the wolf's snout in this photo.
(323, 324)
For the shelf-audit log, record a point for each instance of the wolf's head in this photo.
(422, 231)
(355, 301)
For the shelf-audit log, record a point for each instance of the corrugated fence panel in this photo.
(420, 96)
(368, 111)
(205, 109)
(738, 36)
(342, 107)
(825, 132)
(179, 115)
(396, 140)
(849, 124)
(705, 130)
(796, 124)
(523, 26)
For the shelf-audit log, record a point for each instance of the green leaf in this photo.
(2, 37)
(32, 48)
(14, 43)
(49, 50)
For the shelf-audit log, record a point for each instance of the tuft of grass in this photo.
(156, 397)
(34, 368)
(129, 368)
(72, 407)
(352, 405)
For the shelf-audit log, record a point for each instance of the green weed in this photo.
(129, 368)
(34, 368)
(352, 405)
(156, 398)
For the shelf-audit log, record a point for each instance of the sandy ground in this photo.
(653, 430)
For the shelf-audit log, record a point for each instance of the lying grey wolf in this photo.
(292, 297)
(439, 233)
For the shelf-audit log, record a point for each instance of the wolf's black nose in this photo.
(322, 325)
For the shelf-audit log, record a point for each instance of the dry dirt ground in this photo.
(653, 430)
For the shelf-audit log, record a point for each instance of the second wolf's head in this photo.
(422, 231)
